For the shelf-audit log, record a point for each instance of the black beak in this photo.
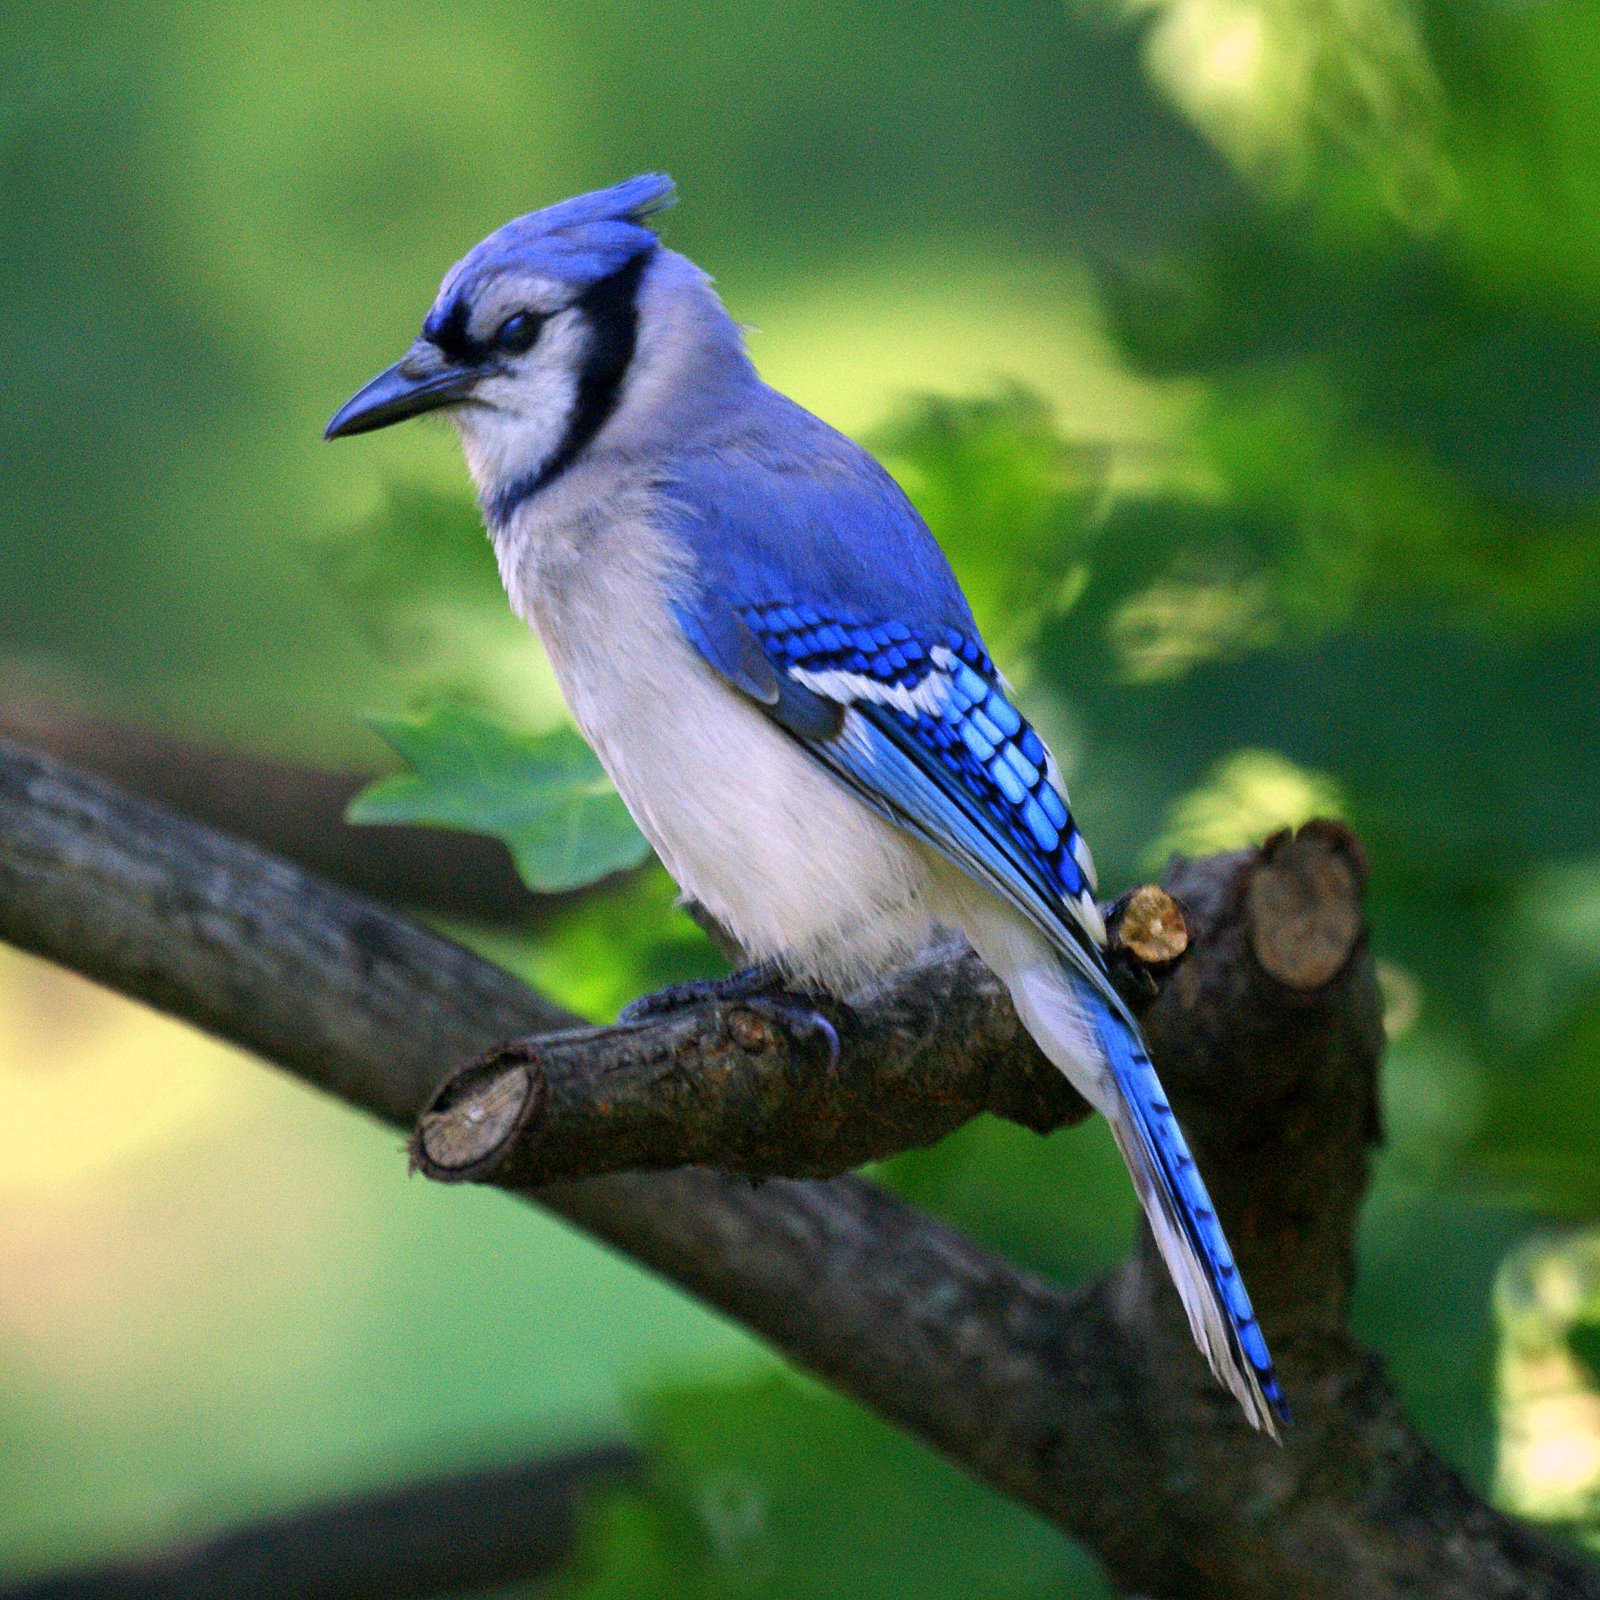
(411, 386)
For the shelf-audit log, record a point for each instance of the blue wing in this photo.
(919, 726)
(892, 691)
(787, 511)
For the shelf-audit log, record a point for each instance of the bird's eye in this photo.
(517, 333)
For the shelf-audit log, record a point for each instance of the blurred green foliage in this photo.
(1264, 341)
(771, 1487)
(1547, 1305)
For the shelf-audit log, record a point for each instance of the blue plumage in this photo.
(579, 241)
(772, 574)
(851, 771)
(761, 525)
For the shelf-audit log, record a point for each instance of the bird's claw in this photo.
(799, 1016)
(756, 990)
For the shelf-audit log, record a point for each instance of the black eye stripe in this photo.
(448, 330)
(610, 309)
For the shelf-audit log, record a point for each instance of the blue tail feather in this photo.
(1184, 1219)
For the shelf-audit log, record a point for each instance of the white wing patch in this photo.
(927, 699)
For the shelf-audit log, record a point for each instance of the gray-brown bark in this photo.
(717, 1082)
(1090, 1406)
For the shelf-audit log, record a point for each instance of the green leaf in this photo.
(546, 797)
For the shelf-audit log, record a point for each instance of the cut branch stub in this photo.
(1268, 1036)
(475, 1114)
(723, 1082)
(1089, 1406)
(1303, 904)
(1149, 924)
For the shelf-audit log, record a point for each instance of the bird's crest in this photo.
(632, 200)
(580, 240)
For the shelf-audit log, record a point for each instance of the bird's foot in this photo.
(737, 986)
(759, 990)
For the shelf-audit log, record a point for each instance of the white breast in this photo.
(780, 853)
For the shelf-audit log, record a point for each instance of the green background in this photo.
(1244, 354)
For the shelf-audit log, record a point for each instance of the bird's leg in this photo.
(760, 990)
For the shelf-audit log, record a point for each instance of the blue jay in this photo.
(775, 663)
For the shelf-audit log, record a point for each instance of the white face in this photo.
(520, 412)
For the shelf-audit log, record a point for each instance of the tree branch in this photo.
(722, 1083)
(294, 810)
(717, 1083)
(476, 1531)
(1090, 1406)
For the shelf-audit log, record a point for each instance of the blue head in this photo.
(530, 337)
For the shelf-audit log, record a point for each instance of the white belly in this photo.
(780, 853)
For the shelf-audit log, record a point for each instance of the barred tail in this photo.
(1086, 1033)
(1183, 1219)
